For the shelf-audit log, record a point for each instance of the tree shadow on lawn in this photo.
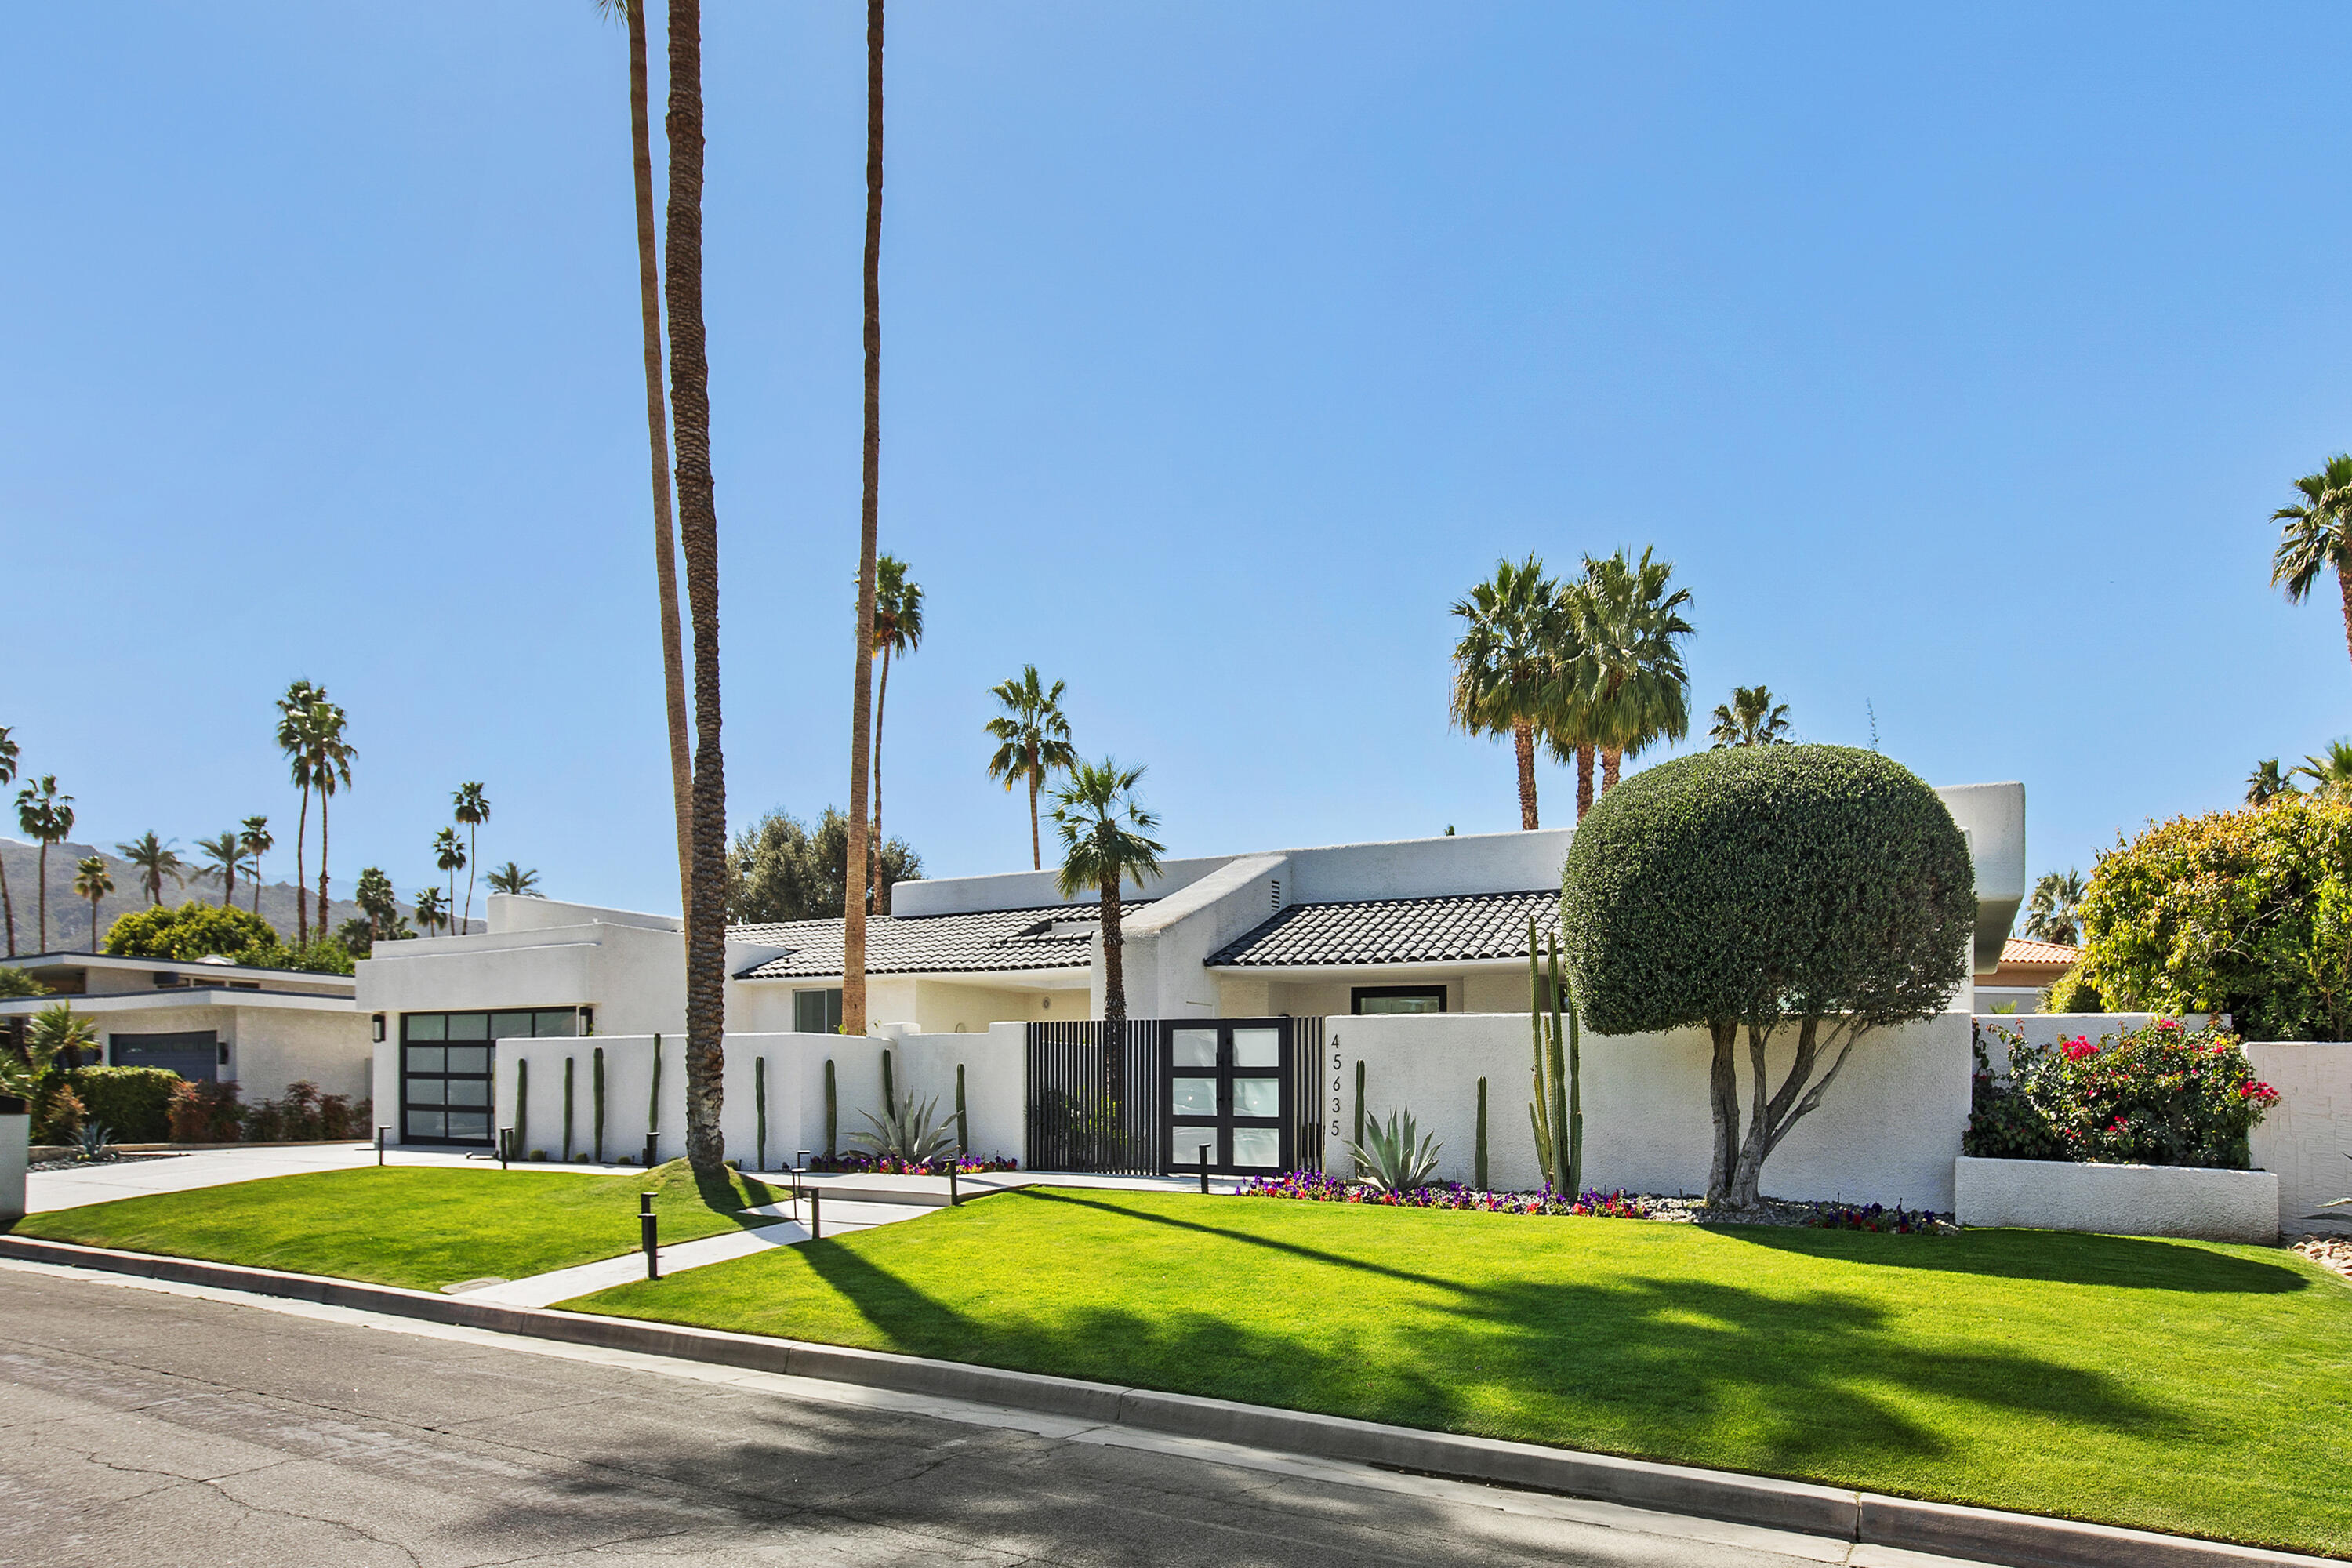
(1709, 1373)
(2052, 1257)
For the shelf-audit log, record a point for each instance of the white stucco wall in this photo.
(2119, 1200)
(1887, 1130)
(2307, 1138)
(272, 1042)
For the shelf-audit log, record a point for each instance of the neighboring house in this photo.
(211, 1020)
(1417, 925)
(2027, 968)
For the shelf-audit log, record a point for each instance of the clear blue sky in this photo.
(1956, 358)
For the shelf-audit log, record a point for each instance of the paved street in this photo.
(170, 1425)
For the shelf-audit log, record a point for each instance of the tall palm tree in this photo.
(1033, 741)
(649, 313)
(153, 858)
(450, 856)
(1510, 654)
(898, 629)
(861, 717)
(292, 708)
(331, 767)
(1631, 629)
(223, 856)
(698, 512)
(512, 878)
(2052, 914)
(1106, 841)
(2317, 536)
(8, 753)
(45, 817)
(472, 809)
(93, 881)
(2267, 784)
(432, 914)
(2330, 771)
(1751, 718)
(256, 838)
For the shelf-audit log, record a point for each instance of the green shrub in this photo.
(135, 1102)
(58, 1114)
(302, 1115)
(1760, 886)
(196, 930)
(2074, 991)
(2244, 912)
(17, 983)
(2159, 1095)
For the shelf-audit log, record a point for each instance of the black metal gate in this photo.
(1116, 1111)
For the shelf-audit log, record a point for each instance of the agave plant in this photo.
(1388, 1157)
(91, 1144)
(913, 1134)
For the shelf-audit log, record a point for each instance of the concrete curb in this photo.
(2018, 1540)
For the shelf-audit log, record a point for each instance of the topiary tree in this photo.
(1761, 887)
(2244, 912)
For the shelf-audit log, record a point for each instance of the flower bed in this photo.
(2158, 1095)
(856, 1164)
(1878, 1217)
(1318, 1186)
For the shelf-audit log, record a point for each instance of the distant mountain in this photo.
(69, 912)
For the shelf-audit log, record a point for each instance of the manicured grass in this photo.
(419, 1226)
(2170, 1386)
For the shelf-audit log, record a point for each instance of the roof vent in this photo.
(1277, 900)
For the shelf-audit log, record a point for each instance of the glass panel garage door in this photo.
(445, 1068)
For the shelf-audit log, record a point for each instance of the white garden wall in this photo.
(2119, 1200)
(2307, 1136)
(923, 1065)
(1887, 1130)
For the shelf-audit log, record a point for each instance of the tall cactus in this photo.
(1478, 1168)
(832, 1109)
(963, 1127)
(1359, 1111)
(653, 1098)
(596, 1094)
(1556, 1112)
(523, 1102)
(760, 1098)
(569, 1063)
(889, 1094)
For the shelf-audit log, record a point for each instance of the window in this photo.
(816, 1012)
(445, 1067)
(1366, 999)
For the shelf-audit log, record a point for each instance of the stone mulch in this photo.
(75, 1163)
(1687, 1210)
(2328, 1251)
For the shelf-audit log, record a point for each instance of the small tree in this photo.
(1760, 887)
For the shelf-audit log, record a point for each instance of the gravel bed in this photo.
(2327, 1251)
(111, 1158)
(1682, 1209)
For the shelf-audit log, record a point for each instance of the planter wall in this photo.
(15, 1134)
(2119, 1200)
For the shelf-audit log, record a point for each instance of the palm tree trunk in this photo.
(322, 865)
(42, 871)
(1036, 852)
(681, 762)
(255, 880)
(8, 910)
(853, 913)
(1612, 761)
(1583, 780)
(698, 514)
(474, 851)
(301, 896)
(2344, 583)
(1523, 743)
(1114, 1024)
(93, 922)
(874, 847)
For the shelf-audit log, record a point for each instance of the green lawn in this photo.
(2170, 1386)
(419, 1226)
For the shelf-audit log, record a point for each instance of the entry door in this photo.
(1229, 1088)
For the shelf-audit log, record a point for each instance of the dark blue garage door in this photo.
(194, 1056)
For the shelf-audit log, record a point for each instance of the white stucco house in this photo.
(211, 1020)
(1425, 925)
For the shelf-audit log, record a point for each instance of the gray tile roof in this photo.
(986, 941)
(1394, 930)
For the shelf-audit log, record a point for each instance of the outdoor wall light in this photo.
(379, 1028)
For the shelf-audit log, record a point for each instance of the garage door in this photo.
(194, 1055)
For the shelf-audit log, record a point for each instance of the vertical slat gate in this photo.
(1089, 1110)
(1307, 1072)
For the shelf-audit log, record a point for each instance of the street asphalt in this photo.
(159, 1424)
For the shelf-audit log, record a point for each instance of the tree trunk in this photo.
(681, 762)
(322, 865)
(697, 511)
(1036, 852)
(256, 879)
(1114, 1024)
(41, 871)
(8, 910)
(1523, 743)
(852, 927)
(2344, 583)
(1612, 760)
(93, 922)
(1722, 1096)
(874, 844)
(473, 853)
(301, 893)
(1583, 780)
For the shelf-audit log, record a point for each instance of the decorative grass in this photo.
(423, 1228)
(2166, 1384)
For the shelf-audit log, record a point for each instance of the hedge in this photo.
(134, 1103)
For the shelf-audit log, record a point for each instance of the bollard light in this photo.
(816, 1214)
(649, 1234)
(380, 1133)
(1204, 1169)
